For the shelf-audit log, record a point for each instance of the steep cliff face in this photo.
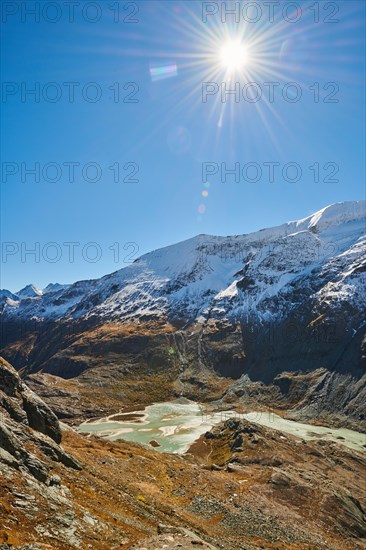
(31, 459)
(257, 309)
(28, 428)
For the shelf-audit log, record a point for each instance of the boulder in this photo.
(233, 468)
(8, 459)
(164, 529)
(37, 468)
(8, 441)
(280, 479)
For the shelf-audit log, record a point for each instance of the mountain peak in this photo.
(4, 293)
(29, 291)
(54, 287)
(334, 215)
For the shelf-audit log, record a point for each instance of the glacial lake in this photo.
(173, 426)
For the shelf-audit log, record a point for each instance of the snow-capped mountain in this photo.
(54, 287)
(258, 277)
(4, 294)
(276, 316)
(29, 291)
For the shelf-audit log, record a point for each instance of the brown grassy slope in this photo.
(125, 490)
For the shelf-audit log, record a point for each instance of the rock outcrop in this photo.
(29, 429)
(301, 475)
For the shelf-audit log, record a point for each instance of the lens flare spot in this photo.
(204, 193)
(162, 72)
(202, 209)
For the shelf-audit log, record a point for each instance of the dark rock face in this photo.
(352, 516)
(26, 422)
(40, 416)
(8, 441)
(9, 380)
(24, 405)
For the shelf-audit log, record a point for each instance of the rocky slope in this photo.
(240, 486)
(276, 315)
(43, 488)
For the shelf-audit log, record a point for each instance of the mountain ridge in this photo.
(187, 262)
(358, 208)
(276, 316)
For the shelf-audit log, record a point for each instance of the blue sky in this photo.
(169, 132)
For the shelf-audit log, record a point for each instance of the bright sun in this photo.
(233, 55)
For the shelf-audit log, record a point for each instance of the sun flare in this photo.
(234, 55)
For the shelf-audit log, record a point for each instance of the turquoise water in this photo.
(350, 438)
(175, 425)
